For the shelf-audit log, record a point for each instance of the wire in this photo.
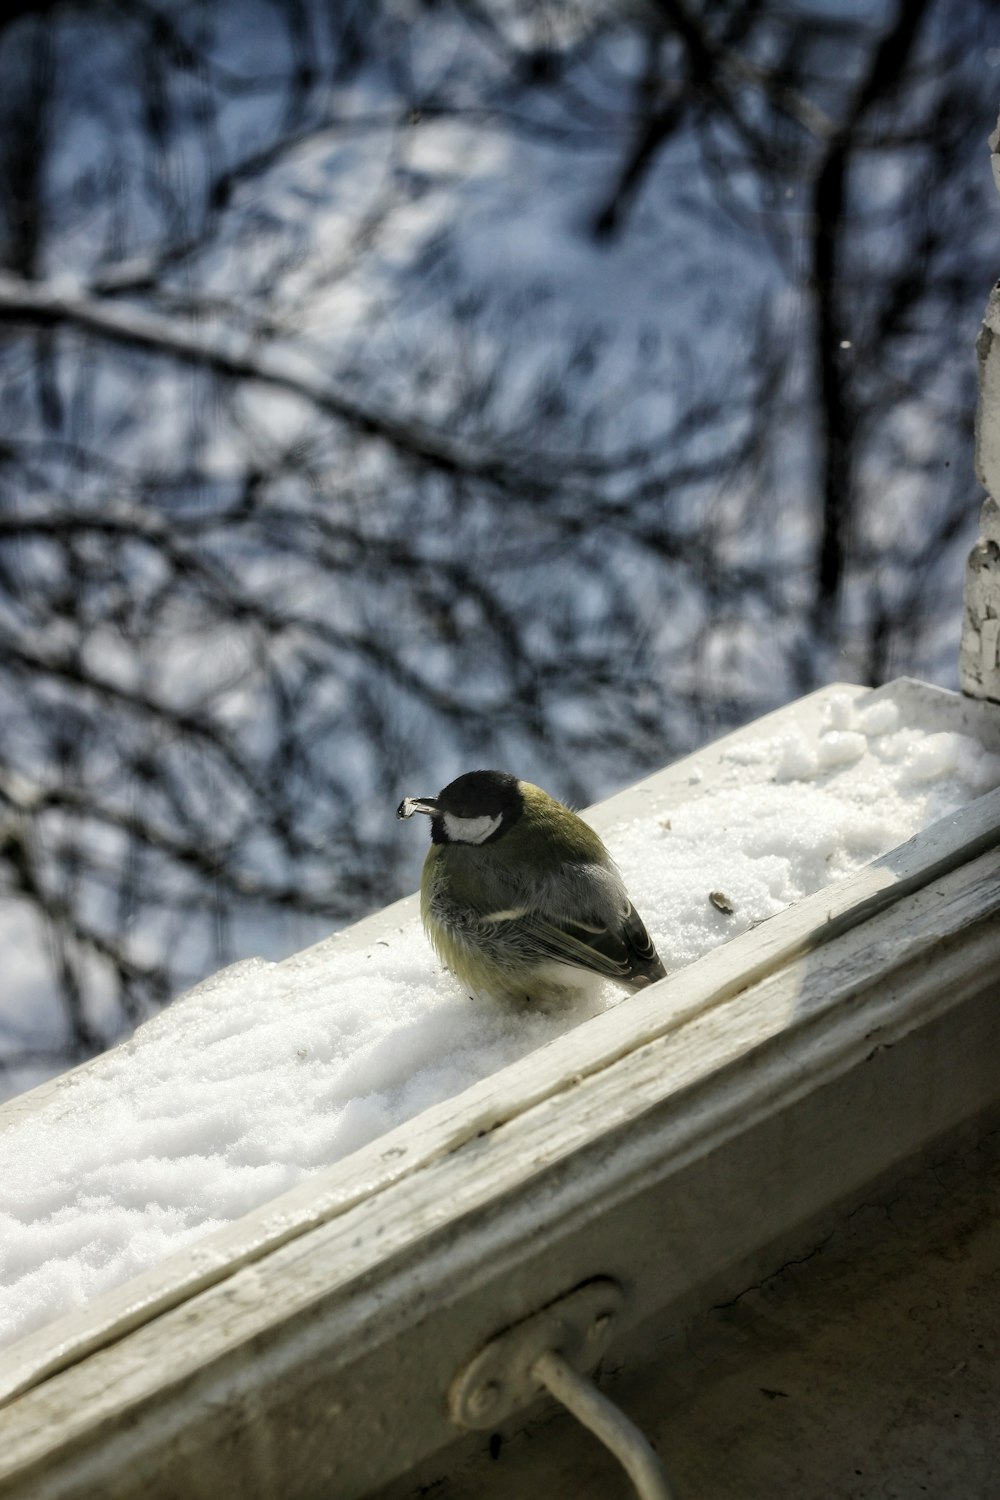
(607, 1422)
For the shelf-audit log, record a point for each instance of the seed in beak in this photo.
(411, 805)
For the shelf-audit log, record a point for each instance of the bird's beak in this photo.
(410, 805)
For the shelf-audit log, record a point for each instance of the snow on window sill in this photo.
(667, 1139)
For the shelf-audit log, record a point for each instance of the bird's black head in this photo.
(476, 808)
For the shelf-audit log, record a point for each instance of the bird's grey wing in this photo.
(620, 950)
(605, 935)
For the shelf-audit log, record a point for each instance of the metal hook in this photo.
(550, 1350)
(608, 1422)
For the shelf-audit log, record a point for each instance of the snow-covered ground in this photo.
(269, 1072)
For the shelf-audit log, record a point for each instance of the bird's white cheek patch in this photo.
(470, 830)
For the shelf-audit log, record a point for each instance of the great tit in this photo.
(520, 898)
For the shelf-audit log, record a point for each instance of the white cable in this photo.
(607, 1422)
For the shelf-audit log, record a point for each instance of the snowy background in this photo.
(389, 389)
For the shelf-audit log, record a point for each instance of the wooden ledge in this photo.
(311, 1343)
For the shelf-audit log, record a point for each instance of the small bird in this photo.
(520, 898)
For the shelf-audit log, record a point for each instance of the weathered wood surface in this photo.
(658, 1144)
(445, 1128)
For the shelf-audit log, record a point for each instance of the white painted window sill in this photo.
(686, 1139)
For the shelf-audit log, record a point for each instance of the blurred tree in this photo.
(397, 387)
